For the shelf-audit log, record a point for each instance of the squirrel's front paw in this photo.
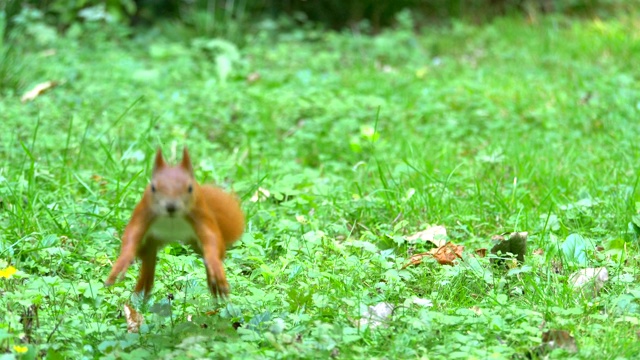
(217, 282)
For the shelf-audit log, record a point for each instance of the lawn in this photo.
(341, 146)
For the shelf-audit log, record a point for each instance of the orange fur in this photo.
(174, 207)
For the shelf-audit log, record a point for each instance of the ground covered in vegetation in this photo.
(342, 146)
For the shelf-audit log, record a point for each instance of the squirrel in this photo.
(174, 207)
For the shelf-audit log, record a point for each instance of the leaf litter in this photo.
(437, 235)
(38, 90)
(376, 315)
(444, 255)
(134, 319)
(590, 280)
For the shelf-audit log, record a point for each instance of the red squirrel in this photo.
(175, 208)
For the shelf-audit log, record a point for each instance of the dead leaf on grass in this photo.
(376, 315)
(476, 310)
(515, 244)
(134, 319)
(589, 280)
(559, 339)
(260, 195)
(38, 90)
(48, 52)
(253, 77)
(481, 252)
(435, 234)
(444, 255)
(422, 302)
(212, 312)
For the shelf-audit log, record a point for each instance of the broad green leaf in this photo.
(575, 249)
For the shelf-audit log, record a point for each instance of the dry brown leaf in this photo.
(435, 234)
(590, 280)
(415, 259)
(38, 90)
(134, 319)
(559, 339)
(445, 255)
(448, 253)
(481, 252)
(253, 77)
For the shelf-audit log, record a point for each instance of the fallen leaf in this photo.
(515, 244)
(376, 315)
(134, 319)
(445, 255)
(481, 252)
(260, 195)
(253, 77)
(47, 53)
(415, 259)
(590, 280)
(559, 339)
(422, 302)
(38, 90)
(435, 234)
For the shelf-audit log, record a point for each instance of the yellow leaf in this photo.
(38, 90)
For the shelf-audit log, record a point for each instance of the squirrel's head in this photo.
(172, 187)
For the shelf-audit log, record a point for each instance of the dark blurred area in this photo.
(331, 14)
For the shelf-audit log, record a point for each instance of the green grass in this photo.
(362, 141)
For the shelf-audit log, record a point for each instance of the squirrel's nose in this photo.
(171, 208)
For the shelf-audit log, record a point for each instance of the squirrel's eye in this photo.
(190, 189)
(153, 188)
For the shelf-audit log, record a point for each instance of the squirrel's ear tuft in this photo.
(186, 161)
(159, 162)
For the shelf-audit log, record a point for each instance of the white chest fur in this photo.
(168, 229)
